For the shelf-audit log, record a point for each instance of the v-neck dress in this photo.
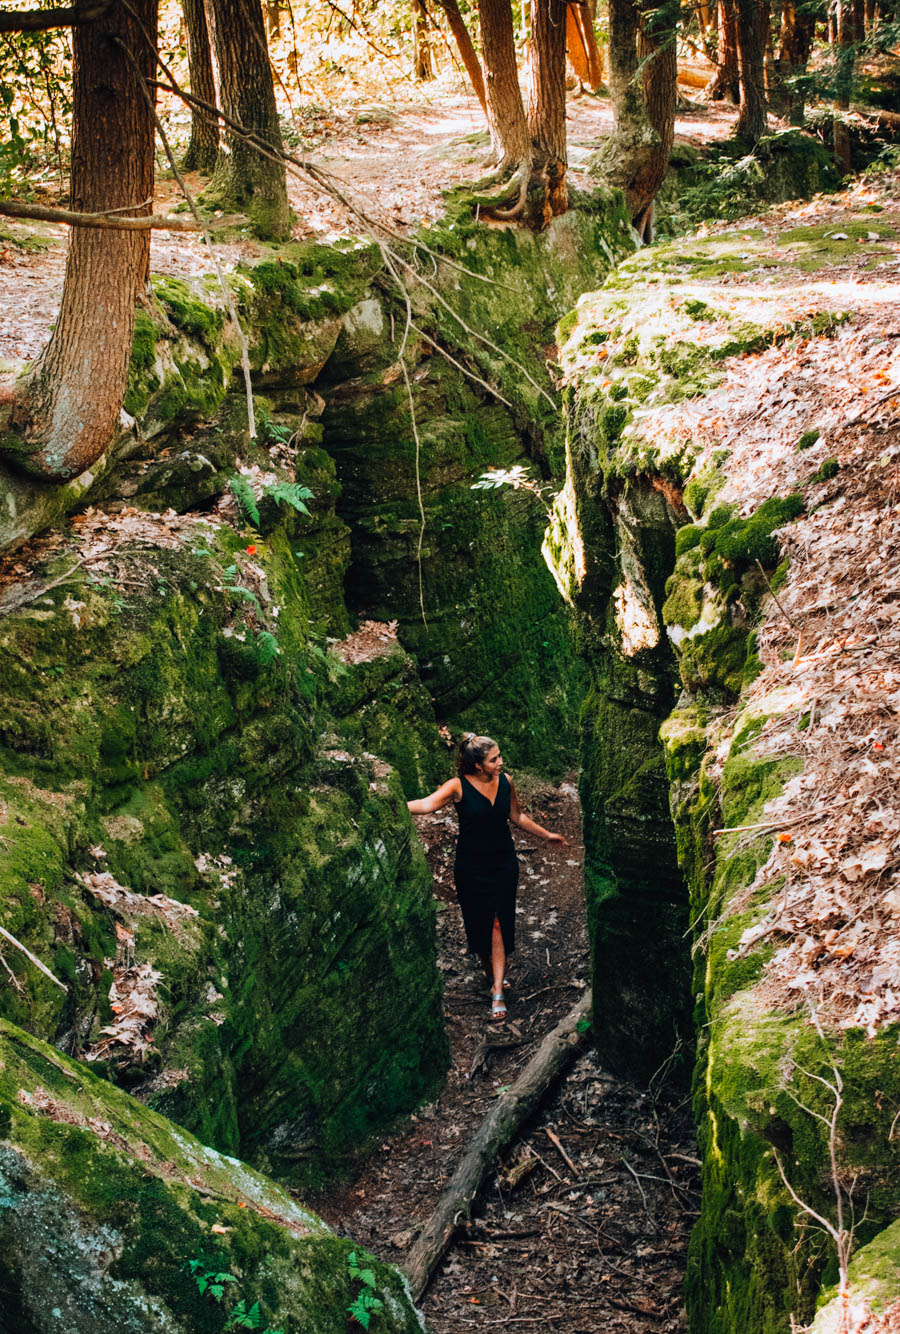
(486, 871)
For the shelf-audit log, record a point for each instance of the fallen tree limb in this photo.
(555, 1054)
(15, 208)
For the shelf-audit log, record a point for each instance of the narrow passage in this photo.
(585, 1226)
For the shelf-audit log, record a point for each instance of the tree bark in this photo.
(794, 46)
(67, 411)
(466, 49)
(724, 86)
(506, 114)
(635, 157)
(244, 180)
(845, 34)
(751, 122)
(656, 47)
(581, 44)
(204, 142)
(546, 113)
(510, 1110)
(422, 68)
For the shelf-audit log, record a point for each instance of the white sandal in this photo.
(498, 1005)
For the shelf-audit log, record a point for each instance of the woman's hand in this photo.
(556, 838)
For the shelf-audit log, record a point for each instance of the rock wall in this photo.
(202, 765)
(669, 570)
(174, 727)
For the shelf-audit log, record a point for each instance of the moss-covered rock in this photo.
(196, 739)
(114, 1219)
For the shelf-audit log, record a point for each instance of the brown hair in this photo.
(473, 750)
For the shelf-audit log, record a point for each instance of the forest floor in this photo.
(594, 1234)
(394, 162)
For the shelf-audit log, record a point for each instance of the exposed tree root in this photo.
(511, 1109)
(508, 200)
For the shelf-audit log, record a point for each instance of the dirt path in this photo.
(594, 1235)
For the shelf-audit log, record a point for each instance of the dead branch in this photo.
(15, 208)
(557, 1051)
(28, 955)
(18, 598)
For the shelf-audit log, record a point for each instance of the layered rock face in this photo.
(669, 539)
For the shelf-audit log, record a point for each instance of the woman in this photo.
(486, 870)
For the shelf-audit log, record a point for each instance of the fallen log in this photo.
(511, 1109)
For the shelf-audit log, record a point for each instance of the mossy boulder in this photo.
(114, 1219)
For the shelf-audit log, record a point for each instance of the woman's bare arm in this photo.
(447, 792)
(518, 817)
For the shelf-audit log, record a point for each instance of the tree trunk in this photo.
(68, 409)
(422, 68)
(581, 44)
(506, 114)
(656, 47)
(765, 21)
(724, 86)
(509, 1112)
(844, 25)
(466, 49)
(794, 47)
(273, 19)
(635, 157)
(204, 143)
(751, 122)
(546, 113)
(244, 180)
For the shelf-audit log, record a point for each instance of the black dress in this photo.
(486, 871)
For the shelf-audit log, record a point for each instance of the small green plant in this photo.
(290, 493)
(213, 1282)
(246, 498)
(267, 648)
(808, 439)
(209, 1281)
(830, 468)
(283, 493)
(366, 1303)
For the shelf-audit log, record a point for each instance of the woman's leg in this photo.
(498, 958)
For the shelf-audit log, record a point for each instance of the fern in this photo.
(290, 493)
(267, 648)
(245, 1317)
(364, 1307)
(246, 593)
(244, 495)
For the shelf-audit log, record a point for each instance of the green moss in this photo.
(98, 1181)
(146, 335)
(189, 312)
(808, 439)
(828, 469)
(745, 541)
